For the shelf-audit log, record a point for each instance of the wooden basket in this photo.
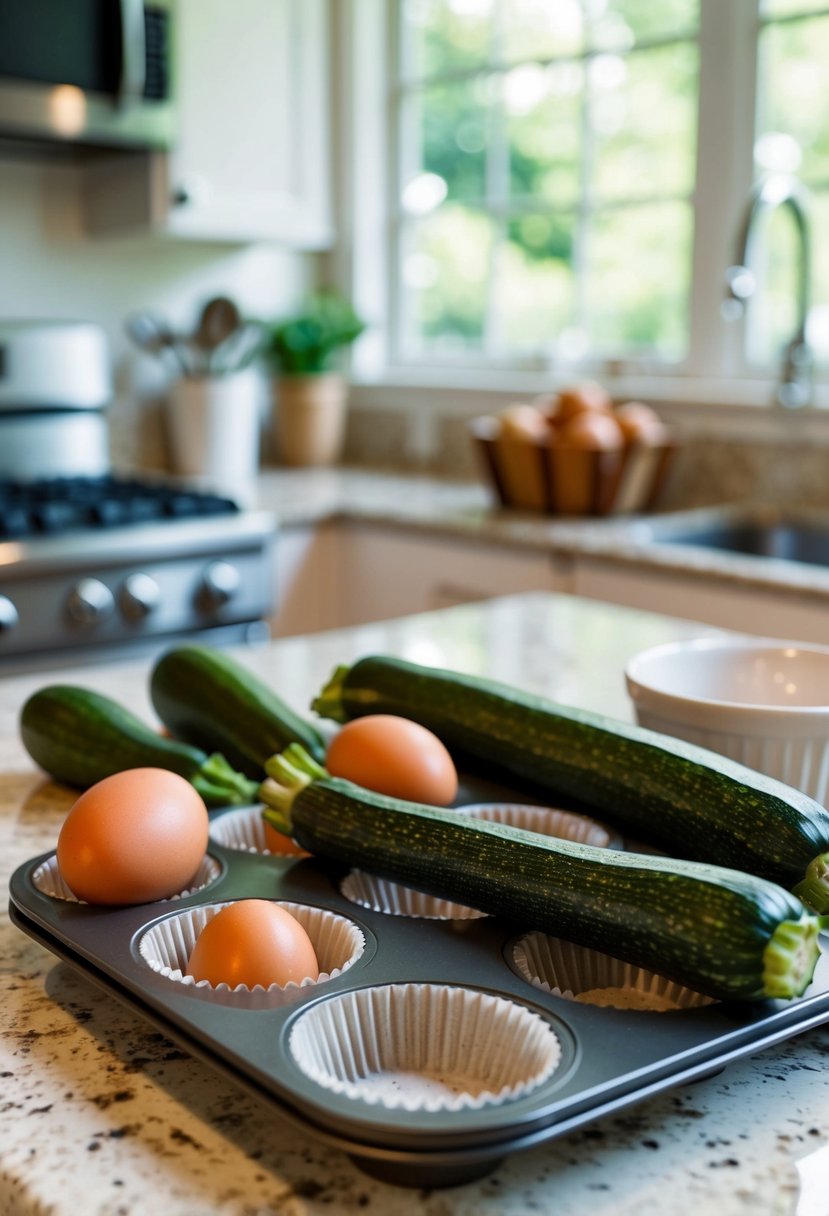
(563, 480)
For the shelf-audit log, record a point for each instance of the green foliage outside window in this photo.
(559, 141)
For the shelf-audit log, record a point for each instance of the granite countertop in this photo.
(103, 1115)
(468, 510)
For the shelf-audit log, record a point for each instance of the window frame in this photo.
(716, 379)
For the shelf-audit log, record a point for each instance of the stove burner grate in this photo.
(72, 504)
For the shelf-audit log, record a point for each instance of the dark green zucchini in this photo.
(209, 699)
(684, 799)
(79, 737)
(718, 931)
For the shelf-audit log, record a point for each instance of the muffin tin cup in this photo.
(382, 895)
(424, 1047)
(589, 977)
(166, 948)
(244, 830)
(48, 879)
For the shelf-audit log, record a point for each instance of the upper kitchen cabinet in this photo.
(251, 159)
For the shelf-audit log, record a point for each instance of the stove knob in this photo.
(220, 582)
(90, 602)
(139, 596)
(8, 614)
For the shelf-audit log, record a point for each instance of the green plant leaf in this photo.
(304, 344)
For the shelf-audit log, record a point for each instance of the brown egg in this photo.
(282, 845)
(523, 422)
(640, 423)
(592, 429)
(253, 942)
(579, 399)
(394, 756)
(136, 836)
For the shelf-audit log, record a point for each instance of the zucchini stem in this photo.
(790, 957)
(813, 889)
(329, 703)
(288, 773)
(220, 784)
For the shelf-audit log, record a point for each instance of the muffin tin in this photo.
(437, 1040)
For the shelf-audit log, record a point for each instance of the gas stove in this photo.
(106, 567)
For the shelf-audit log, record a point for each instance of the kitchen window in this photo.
(567, 183)
(547, 157)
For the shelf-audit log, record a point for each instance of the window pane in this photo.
(793, 99)
(638, 281)
(543, 124)
(448, 127)
(446, 266)
(445, 35)
(643, 108)
(535, 287)
(542, 29)
(620, 23)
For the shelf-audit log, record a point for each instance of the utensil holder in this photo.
(214, 428)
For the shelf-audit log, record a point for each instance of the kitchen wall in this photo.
(49, 267)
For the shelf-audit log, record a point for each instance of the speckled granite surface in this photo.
(467, 509)
(102, 1115)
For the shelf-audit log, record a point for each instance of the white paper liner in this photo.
(167, 946)
(49, 880)
(590, 977)
(424, 1047)
(243, 829)
(548, 821)
(382, 895)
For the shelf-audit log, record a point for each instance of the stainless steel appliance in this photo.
(108, 567)
(55, 389)
(99, 565)
(93, 73)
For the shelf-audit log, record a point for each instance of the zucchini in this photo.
(79, 737)
(718, 931)
(684, 799)
(208, 699)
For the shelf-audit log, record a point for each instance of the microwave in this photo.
(94, 73)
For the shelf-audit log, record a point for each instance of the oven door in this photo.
(93, 72)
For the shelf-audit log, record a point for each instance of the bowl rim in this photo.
(645, 694)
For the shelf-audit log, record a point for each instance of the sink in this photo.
(796, 540)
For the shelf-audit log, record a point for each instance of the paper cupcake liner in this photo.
(429, 1047)
(244, 829)
(382, 895)
(49, 880)
(577, 973)
(548, 821)
(167, 946)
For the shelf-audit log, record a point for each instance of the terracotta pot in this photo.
(310, 418)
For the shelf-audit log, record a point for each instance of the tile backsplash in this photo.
(707, 470)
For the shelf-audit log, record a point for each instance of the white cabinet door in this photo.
(251, 160)
(387, 572)
(724, 603)
(306, 576)
(343, 574)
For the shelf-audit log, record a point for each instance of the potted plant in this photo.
(311, 393)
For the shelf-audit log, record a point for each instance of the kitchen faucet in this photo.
(795, 387)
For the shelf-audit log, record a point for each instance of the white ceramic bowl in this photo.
(761, 701)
